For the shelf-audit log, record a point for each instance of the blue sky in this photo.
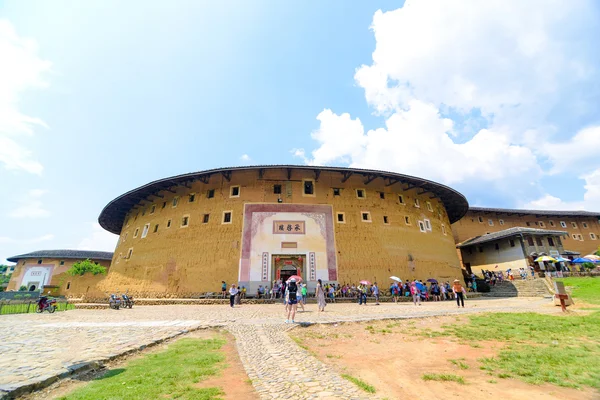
(127, 92)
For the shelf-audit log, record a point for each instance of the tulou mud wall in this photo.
(190, 246)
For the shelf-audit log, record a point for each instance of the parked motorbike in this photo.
(45, 304)
(127, 301)
(114, 302)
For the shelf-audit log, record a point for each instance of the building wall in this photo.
(196, 258)
(57, 273)
(470, 226)
(504, 258)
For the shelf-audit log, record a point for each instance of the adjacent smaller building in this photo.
(511, 248)
(46, 267)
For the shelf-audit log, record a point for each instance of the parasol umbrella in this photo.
(545, 258)
(592, 257)
(395, 278)
(432, 280)
(296, 277)
(560, 259)
(365, 282)
(581, 260)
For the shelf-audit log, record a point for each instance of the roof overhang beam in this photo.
(346, 175)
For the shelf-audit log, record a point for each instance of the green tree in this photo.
(589, 265)
(81, 267)
(598, 251)
(23, 288)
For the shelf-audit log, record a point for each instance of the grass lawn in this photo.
(584, 289)
(170, 374)
(562, 350)
(24, 308)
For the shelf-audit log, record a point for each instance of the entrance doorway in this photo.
(32, 286)
(286, 265)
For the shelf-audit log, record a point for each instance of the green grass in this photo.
(24, 308)
(584, 289)
(360, 383)
(459, 363)
(444, 378)
(170, 374)
(562, 350)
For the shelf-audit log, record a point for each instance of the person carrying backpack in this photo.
(292, 289)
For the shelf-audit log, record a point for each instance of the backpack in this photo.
(292, 290)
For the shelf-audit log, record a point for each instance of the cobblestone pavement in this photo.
(35, 347)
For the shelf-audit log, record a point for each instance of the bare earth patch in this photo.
(394, 356)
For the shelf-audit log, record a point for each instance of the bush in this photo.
(23, 288)
(588, 265)
(81, 267)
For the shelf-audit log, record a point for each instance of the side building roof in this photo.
(67, 254)
(113, 215)
(490, 237)
(545, 213)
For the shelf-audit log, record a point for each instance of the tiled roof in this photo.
(68, 254)
(113, 215)
(537, 212)
(508, 233)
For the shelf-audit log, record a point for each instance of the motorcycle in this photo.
(114, 302)
(45, 304)
(127, 301)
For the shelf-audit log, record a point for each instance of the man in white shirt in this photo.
(232, 292)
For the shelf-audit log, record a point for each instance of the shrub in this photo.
(23, 288)
(588, 265)
(81, 267)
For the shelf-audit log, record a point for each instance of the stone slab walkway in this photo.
(36, 348)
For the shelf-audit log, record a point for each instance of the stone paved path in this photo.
(35, 347)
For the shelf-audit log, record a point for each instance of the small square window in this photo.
(153, 208)
(365, 216)
(584, 224)
(574, 225)
(185, 221)
(129, 253)
(528, 223)
(593, 236)
(401, 199)
(512, 243)
(501, 221)
(542, 225)
(360, 193)
(143, 212)
(205, 218)
(536, 223)
(443, 229)
(580, 237)
(175, 201)
(164, 204)
(192, 197)
(550, 242)
(530, 241)
(168, 223)
(309, 187)
(422, 226)
(62, 262)
(417, 204)
(563, 224)
(559, 241)
(480, 249)
(145, 231)
(210, 194)
(381, 195)
(490, 222)
(155, 228)
(497, 246)
(429, 207)
(385, 219)
(336, 191)
(539, 241)
(427, 224)
(227, 217)
(407, 220)
(235, 191)
(276, 189)
(135, 234)
(341, 218)
(551, 223)
(480, 219)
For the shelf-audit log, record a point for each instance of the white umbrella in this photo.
(395, 278)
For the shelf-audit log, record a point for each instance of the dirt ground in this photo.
(393, 360)
(232, 379)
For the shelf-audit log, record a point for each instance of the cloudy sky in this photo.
(498, 99)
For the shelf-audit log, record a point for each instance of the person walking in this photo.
(300, 297)
(414, 291)
(375, 293)
(292, 300)
(232, 293)
(223, 289)
(320, 294)
(304, 292)
(459, 292)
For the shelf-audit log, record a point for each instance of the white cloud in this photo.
(579, 152)
(245, 158)
(590, 201)
(418, 141)
(21, 69)
(39, 239)
(98, 239)
(32, 206)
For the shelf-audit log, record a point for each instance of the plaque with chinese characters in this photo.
(289, 227)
